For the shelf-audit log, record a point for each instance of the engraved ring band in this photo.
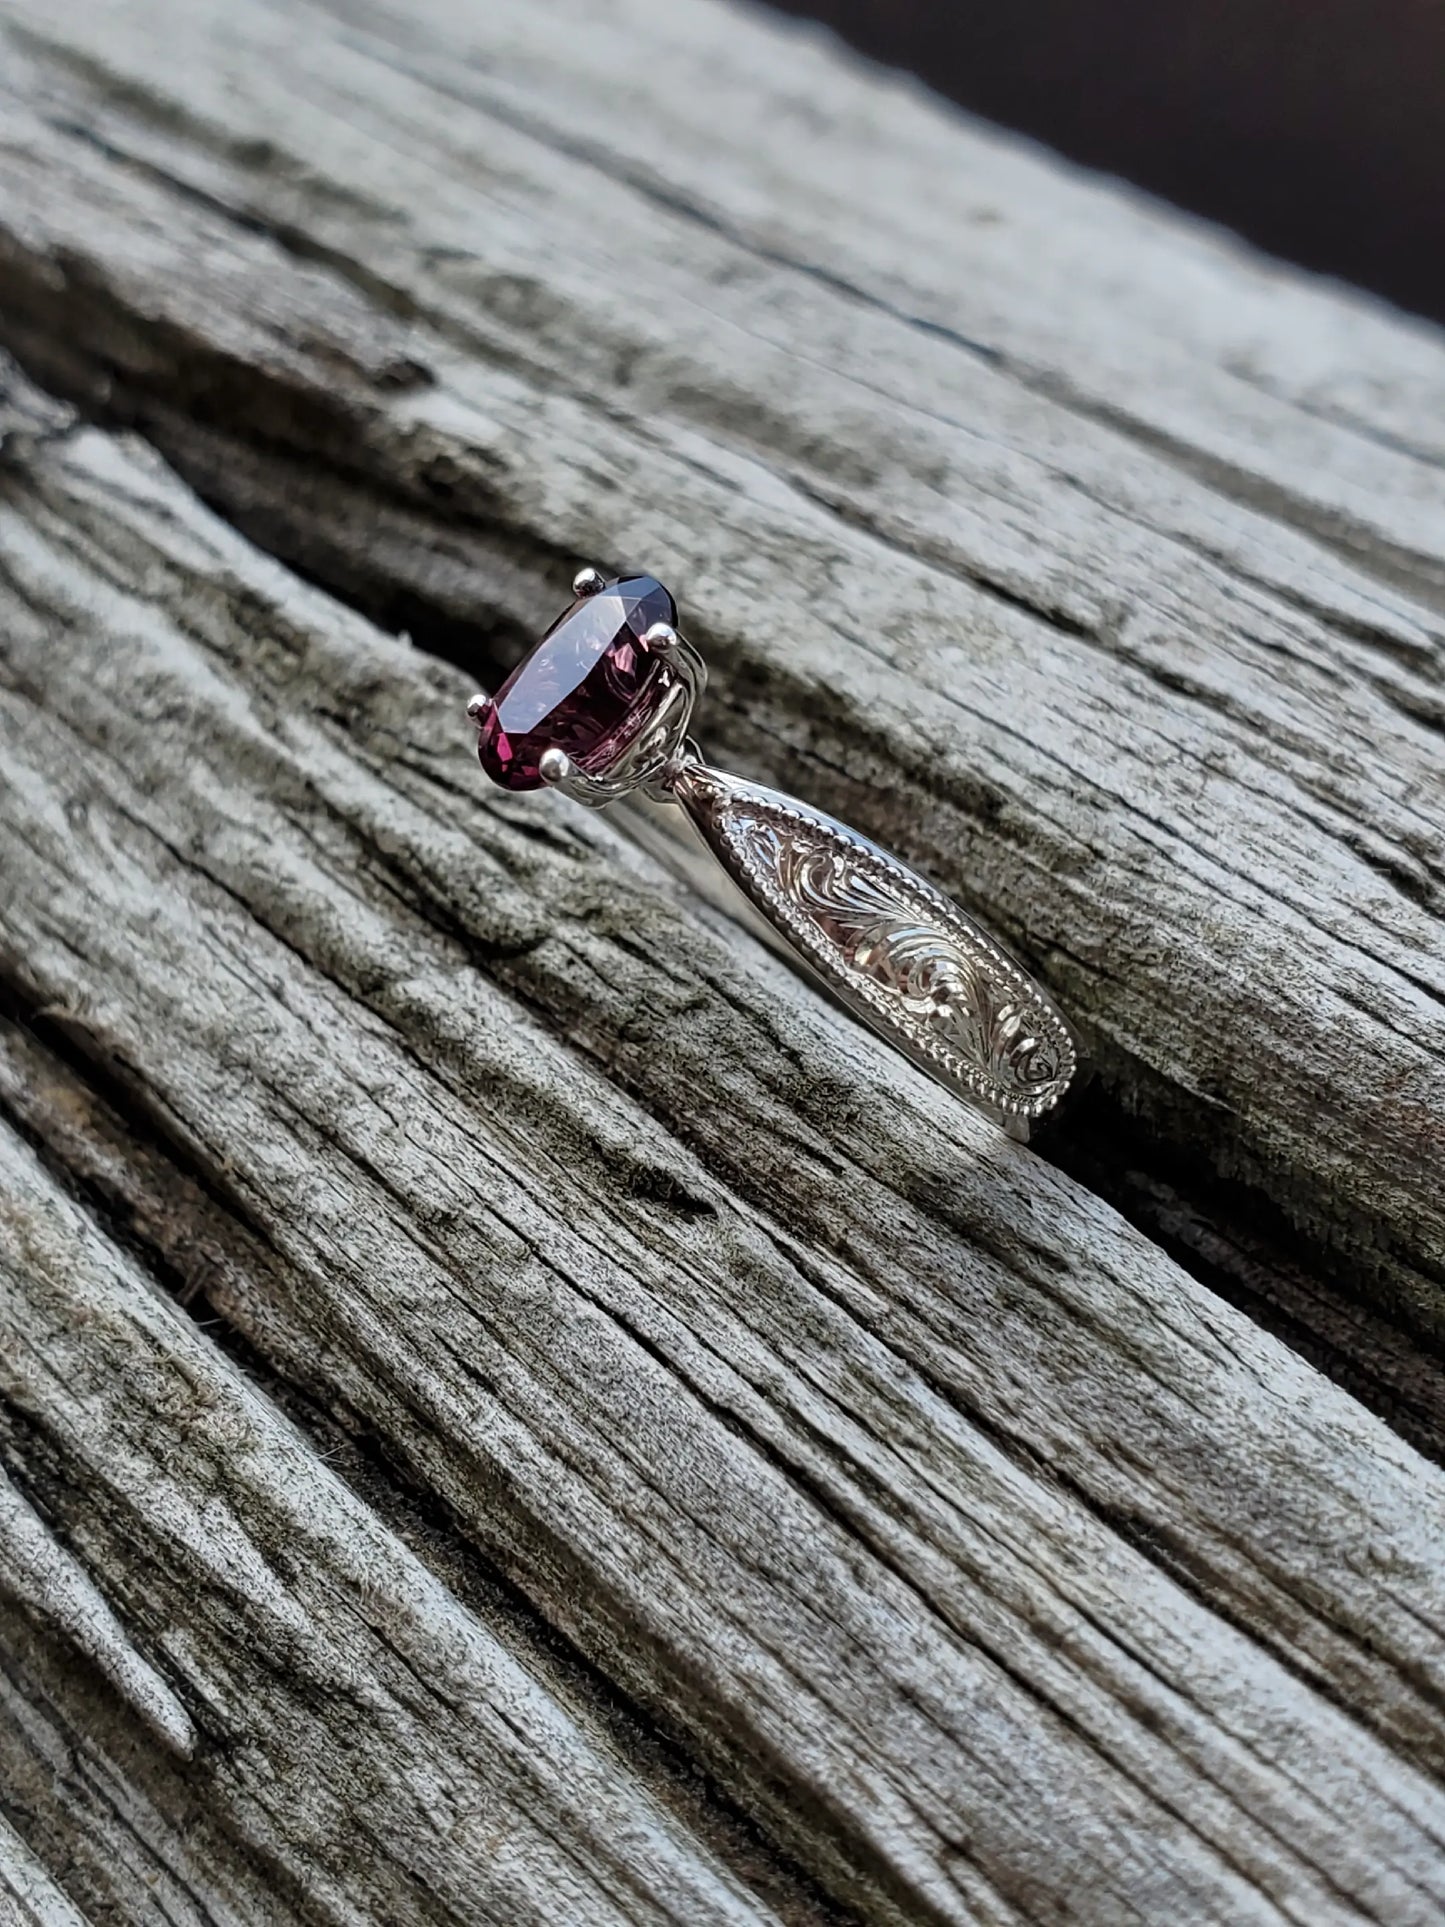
(601, 708)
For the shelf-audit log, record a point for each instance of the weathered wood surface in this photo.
(369, 1742)
(674, 1384)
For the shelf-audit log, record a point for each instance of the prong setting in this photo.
(610, 689)
(588, 582)
(478, 707)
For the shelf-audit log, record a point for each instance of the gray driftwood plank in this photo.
(1094, 563)
(991, 1562)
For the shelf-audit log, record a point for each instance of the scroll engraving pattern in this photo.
(932, 975)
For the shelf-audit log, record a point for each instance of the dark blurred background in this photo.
(1314, 127)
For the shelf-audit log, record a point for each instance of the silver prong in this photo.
(588, 582)
(660, 638)
(554, 766)
(478, 707)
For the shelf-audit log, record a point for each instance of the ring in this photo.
(601, 708)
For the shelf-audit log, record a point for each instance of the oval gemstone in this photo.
(586, 688)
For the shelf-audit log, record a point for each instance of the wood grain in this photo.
(376, 1746)
(27, 1889)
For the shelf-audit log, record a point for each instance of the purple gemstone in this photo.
(586, 687)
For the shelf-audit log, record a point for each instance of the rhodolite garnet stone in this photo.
(586, 688)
